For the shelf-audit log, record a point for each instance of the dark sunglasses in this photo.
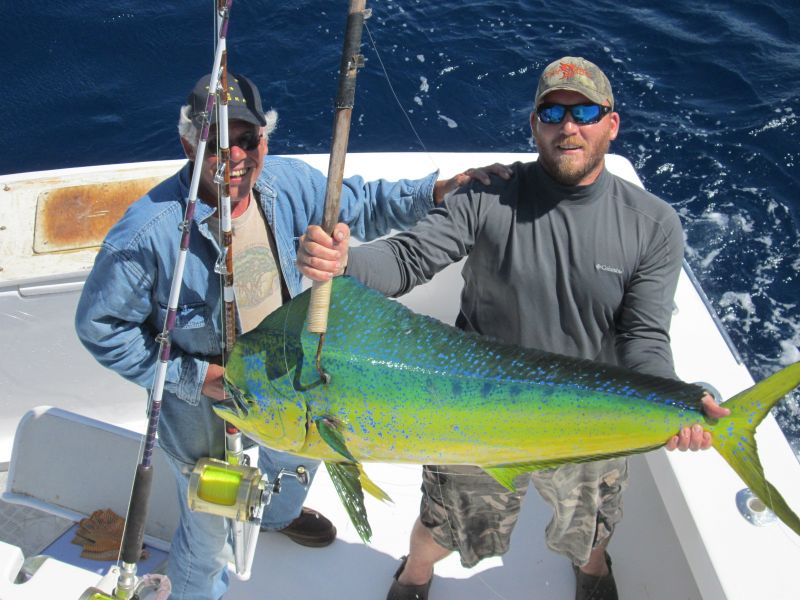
(582, 114)
(248, 141)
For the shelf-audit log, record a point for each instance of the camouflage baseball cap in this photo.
(576, 74)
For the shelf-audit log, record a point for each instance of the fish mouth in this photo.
(235, 403)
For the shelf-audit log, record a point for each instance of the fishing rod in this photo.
(133, 536)
(232, 488)
(244, 530)
(351, 61)
(234, 447)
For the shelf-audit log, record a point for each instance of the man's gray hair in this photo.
(190, 131)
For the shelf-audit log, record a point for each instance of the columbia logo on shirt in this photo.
(607, 268)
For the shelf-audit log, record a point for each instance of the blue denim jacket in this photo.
(125, 298)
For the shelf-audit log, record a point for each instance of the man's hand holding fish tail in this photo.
(695, 437)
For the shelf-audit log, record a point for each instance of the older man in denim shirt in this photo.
(125, 300)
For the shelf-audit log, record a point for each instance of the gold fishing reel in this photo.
(235, 491)
(95, 594)
(239, 492)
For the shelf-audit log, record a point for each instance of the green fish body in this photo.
(403, 387)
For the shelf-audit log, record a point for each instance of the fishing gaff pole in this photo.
(133, 536)
(224, 266)
(351, 61)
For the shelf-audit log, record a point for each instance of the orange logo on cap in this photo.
(568, 71)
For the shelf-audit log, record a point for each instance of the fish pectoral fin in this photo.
(371, 487)
(329, 431)
(345, 477)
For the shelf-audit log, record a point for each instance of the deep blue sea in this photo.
(709, 94)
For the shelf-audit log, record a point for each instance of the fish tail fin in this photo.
(734, 437)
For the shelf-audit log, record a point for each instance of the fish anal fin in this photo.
(345, 478)
(329, 431)
(505, 474)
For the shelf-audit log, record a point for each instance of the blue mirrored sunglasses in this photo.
(582, 114)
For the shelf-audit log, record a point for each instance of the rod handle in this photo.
(318, 306)
(134, 528)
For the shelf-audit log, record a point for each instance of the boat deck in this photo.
(645, 545)
(29, 529)
(682, 536)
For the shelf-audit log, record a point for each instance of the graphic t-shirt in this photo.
(256, 277)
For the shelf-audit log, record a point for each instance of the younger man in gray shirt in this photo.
(562, 256)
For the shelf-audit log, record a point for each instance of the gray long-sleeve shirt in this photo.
(586, 271)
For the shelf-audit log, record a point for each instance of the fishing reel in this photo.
(234, 491)
(239, 492)
(149, 587)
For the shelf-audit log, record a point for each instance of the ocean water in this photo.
(709, 95)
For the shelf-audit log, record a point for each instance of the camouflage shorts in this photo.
(467, 511)
(587, 504)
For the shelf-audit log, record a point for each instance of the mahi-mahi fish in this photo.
(405, 388)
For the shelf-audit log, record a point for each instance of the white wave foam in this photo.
(450, 122)
(790, 353)
(780, 122)
(740, 302)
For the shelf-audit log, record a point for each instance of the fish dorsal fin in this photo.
(345, 478)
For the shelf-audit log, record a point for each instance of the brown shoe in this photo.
(592, 587)
(310, 529)
(398, 591)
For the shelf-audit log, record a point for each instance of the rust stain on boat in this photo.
(78, 217)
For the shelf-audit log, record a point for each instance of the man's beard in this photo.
(570, 170)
